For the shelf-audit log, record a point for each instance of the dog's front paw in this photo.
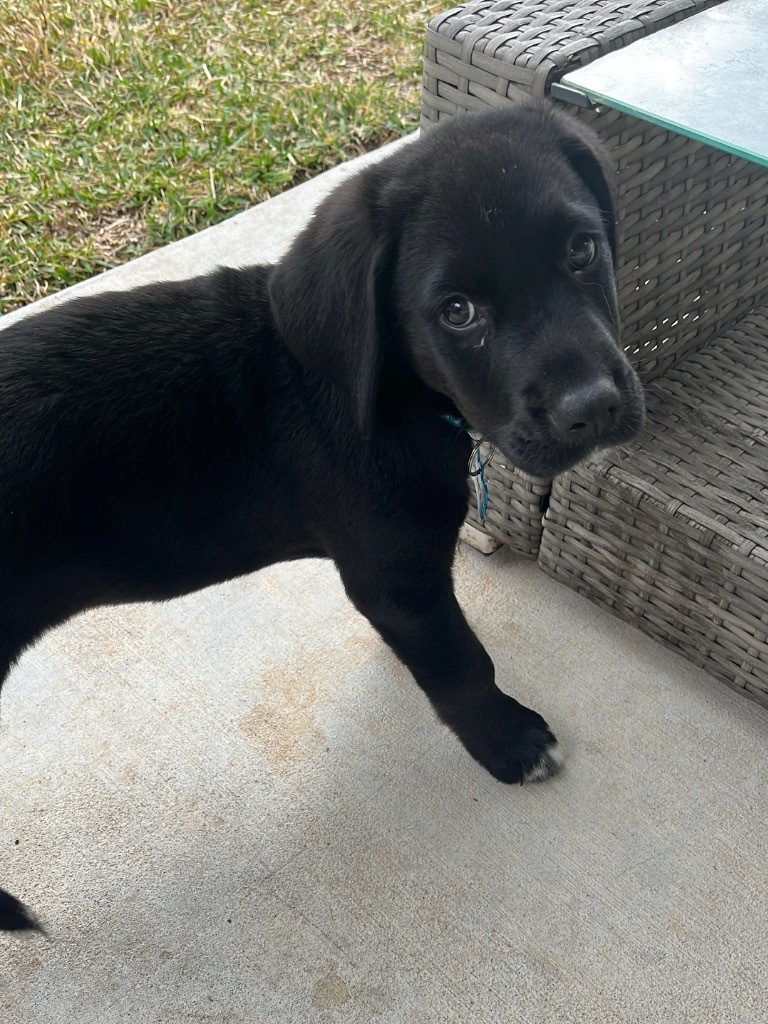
(548, 763)
(514, 743)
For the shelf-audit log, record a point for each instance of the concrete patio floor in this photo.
(238, 807)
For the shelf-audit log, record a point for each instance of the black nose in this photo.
(587, 412)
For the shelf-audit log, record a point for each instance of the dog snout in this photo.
(586, 413)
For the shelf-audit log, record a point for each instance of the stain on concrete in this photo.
(293, 692)
(283, 723)
(330, 993)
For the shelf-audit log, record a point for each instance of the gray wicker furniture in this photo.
(672, 533)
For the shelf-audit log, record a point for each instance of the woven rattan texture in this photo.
(692, 228)
(673, 534)
(484, 52)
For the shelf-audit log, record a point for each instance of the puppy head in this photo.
(482, 256)
(515, 318)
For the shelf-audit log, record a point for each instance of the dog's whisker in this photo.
(606, 303)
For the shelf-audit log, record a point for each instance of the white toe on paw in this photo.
(549, 763)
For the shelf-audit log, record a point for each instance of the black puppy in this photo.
(466, 280)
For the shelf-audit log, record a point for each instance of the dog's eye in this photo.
(582, 251)
(458, 313)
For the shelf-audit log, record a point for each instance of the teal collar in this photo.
(476, 466)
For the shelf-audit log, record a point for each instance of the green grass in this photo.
(127, 124)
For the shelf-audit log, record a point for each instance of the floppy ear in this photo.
(586, 154)
(327, 294)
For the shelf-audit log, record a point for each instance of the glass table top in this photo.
(705, 77)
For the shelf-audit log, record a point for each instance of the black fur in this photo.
(15, 917)
(143, 431)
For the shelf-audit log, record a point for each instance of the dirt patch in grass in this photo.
(107, 233)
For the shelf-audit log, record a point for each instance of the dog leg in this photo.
(424, 625)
